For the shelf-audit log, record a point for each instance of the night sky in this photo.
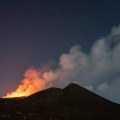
(37, 32)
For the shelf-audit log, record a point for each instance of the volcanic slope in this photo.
(71, 103)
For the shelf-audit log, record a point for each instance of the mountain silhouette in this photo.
(71, 103)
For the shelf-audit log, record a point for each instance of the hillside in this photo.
(71, 103)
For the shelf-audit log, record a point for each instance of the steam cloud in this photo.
(99, 70)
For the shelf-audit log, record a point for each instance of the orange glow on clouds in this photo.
(33, 81)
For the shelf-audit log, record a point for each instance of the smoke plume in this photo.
(98, 70)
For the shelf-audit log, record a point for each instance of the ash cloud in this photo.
(98, 71)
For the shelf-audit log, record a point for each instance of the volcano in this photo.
(71, 103)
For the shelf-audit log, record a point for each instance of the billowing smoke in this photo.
(98, 70)
(34, 80)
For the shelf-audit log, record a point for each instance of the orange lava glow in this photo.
(33, 81)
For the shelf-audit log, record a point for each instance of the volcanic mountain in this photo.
(71, 103)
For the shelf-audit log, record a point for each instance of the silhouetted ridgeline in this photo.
(71, 103)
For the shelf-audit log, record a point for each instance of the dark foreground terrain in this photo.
(70, 103)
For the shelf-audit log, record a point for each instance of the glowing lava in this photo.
(33, 81)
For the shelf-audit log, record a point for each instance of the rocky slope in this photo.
(71, 103)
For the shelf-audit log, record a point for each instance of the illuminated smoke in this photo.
(34, 80)
(98, 70)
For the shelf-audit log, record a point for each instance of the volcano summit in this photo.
(71, 103)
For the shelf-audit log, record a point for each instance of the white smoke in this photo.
(98, 71)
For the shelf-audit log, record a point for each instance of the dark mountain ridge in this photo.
(72, 94)
(73, 102)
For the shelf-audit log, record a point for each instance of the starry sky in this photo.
(36, 32)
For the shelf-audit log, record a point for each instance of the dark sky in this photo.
(34, 32)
